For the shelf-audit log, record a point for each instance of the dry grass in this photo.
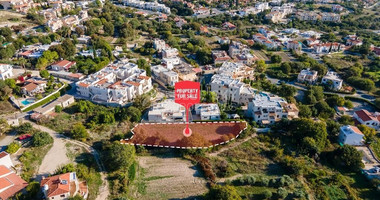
(170, 178)
(6, 108)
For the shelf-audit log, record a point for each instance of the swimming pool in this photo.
(27, 102)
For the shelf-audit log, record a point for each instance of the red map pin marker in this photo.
(187, 93)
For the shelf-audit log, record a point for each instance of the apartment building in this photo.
(6, 71)
(209, 111)
(169, 52)
(308, 16)
(328, 47)
(237, 71)
(159, 45)
(167, 111)
(220, 56)
(235, 48)
(117, 83)
(266, 108)
(229, 89)
(154, 6)
(332, 79)
(330, 17)
(307, 75)
(165, 75)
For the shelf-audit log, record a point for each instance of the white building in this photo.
(261, 6)
(147, 5)
(350, 135)
(307, 75)
(5, 160)
(117, 83)
(169, 52)
(229, 89)
(165, 75)
(5, 71)
(171, 62)
(167, 111)
(371, 120)
(266, 108)
(332, 79)
(207, 111)
(159, 45)
(237, 71)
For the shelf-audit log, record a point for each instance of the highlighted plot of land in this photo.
(169, 135)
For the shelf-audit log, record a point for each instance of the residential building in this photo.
(165, 75)
(187, 72)
(6, 71)
(275, 16)
(147, 5)
(236, 48)
(159, 45)
(167, 111)
(63, 101)
(171, 62)
(330, 17)
(5, 160)
(261, 39)
(62, 65)
(169, 52)
(307, 75)
(204, 30)
(328, 47)
(224, 40)
(246, 58)
(33, 86)
(312, 41)
(261, 6)
(337, 8)
(228, 26)
(308, 16)
(351, 135)
(179, 22)
(371, 120)
(10, 183)
(207, 111)
(332, 79)
(353, 40)
(63, 186)
(266, 108)
(117, 83)
(237, 71)
(229, 89)
(294, 45)
(220, 56)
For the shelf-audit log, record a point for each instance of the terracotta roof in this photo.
(356, 130)
(64, 63)
(144, 77)
(55, 186)
(102, 81)
(364, 115)
(3, 154)
(12, 182)
(133, 83)
(85, 85)
(30, 87)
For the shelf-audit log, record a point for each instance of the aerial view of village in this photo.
(190, 99)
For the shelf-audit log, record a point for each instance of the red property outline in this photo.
(180, 147)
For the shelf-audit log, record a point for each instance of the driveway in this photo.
(368, 159)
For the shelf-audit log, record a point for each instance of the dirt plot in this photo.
(203, 134)
(261, 55)
(171, 178)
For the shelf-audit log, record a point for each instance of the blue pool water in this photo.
(26, 102)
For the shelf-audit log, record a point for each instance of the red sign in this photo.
(187, 93)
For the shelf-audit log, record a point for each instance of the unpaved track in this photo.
(57, 157)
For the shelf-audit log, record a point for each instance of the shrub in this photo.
(282, 193)
(41, 139)
(58, 109)
(267, 194)
(24, 128)
(13, 147)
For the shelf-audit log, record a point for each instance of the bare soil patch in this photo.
(171, 135)
(171, 178)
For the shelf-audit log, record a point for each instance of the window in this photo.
(62, 195)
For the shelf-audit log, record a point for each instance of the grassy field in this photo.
(6, 108)
(261, 55)
(8, 18)
(32, 159)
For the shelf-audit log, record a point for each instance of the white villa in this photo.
(5, 71)
(117, 83)
(351, 135)
(165, 75)
(266, 108)
(332, 79)
(307, 75)
(371, 120)
(208, 111)
(167, 111)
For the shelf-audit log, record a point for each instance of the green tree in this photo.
(346, 120)
(41, 139)
(79, 132)
(13, 147)
(119, 156)
(219, 192)
(5, 91)
(304, 111)
(348, 157)
(275, 58)
(24, 128)
(134, 114)
(267, 194)
(261, 66)
(44, 74)
(369, 133)
(58, 109)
